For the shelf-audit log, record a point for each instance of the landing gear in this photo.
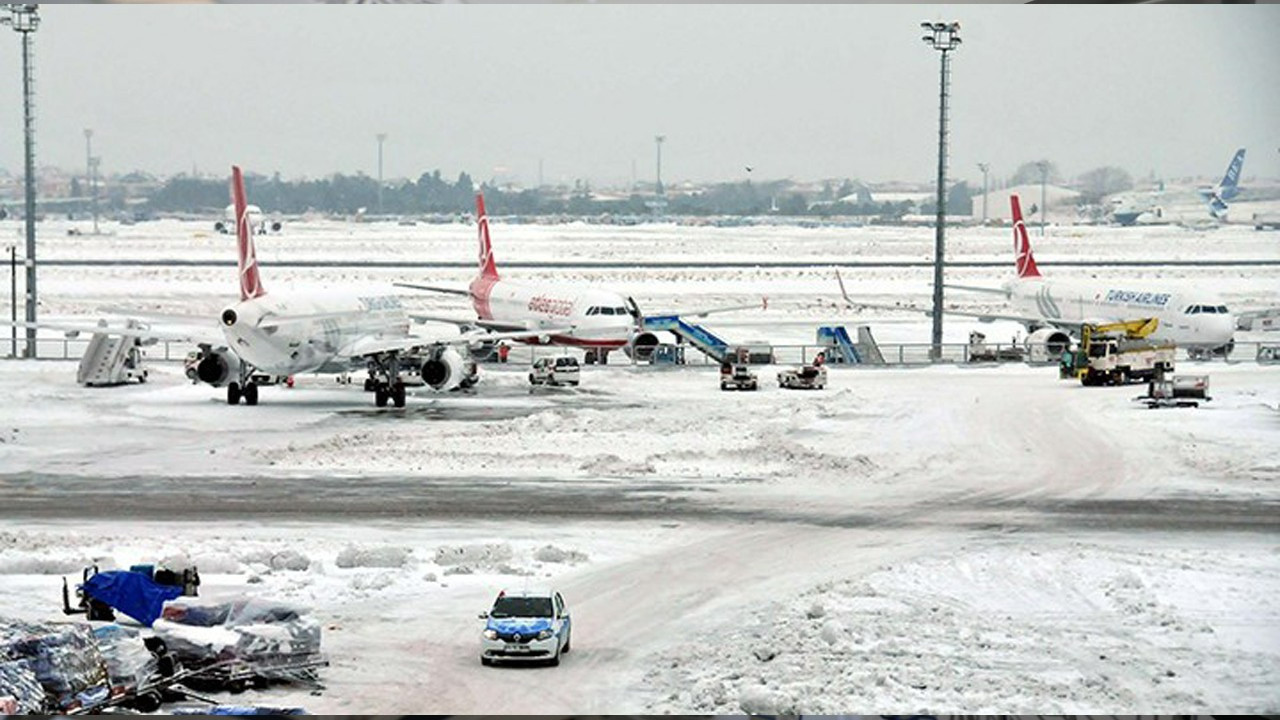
(248, 391)
(384, 381)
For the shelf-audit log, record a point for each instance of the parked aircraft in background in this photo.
(602, 320)
(267, 336)
(1156, 207)
(1054, 310)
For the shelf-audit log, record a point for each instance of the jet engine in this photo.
(446, 369)
(641, 345)
(1047, 343)
(218, 367)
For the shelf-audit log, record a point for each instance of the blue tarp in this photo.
(133, 594)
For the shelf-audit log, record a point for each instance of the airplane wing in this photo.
(155, 317)
(376, 345)
(435, 288)
(978, 289)
(703, 312)
(980, 316)
(142, 332)
(469, 322)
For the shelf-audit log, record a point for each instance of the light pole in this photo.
(23, 19)
(943, 37)
(658, 140)
(382, 137)
(984, 167)
(90, 175)
(1044, 176)
(13, 300)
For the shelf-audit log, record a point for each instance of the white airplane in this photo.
(1151, 209)
(256, 221)
(266, 336)
(601, 320)
(1054, 310)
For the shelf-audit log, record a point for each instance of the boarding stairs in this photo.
(696, 335)
(840, 348)
(112, 360)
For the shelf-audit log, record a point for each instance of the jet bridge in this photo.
(696, 335)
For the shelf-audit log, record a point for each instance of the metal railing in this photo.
(895, 354)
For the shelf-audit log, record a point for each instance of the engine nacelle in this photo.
(218, 367)
(1047, 344)
(641, 345)
(447, 369)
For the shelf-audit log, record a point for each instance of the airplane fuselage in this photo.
(1193, 319)
(601, 319)
(286, 334)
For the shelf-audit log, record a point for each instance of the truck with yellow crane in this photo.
(1118, 353)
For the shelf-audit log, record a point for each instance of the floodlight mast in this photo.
(24, 19)
(943, 37)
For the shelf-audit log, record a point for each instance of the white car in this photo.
(554, 371)
(525, 625)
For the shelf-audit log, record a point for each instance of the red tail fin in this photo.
(488, 269)
(1025, 261)
(250, 283)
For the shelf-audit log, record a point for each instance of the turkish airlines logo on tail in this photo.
(1024, 261)
(250, 283)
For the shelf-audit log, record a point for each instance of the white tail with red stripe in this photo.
(1025, 261)
(250, 283)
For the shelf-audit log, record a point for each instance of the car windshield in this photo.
(507, 607)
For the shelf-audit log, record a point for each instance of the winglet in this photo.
(250, 283)
(1024, 260)
(843, 293)
(488, 268)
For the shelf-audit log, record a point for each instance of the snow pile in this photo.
(35, 563)
(553, 554)
(285, 559)
(377, 556)
(1004, 630)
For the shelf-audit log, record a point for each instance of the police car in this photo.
(525, 625)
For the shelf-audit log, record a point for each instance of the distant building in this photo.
(1061, 201)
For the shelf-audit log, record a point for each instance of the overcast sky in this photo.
(794, 91)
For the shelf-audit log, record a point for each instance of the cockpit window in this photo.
(1222, 309)
(620, 311)
(1193, 310)
(593, 311)
(606, 311)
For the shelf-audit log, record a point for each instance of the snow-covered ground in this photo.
(985, 539)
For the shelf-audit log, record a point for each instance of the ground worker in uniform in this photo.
(503, 351)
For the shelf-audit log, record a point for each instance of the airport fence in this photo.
(895, 354)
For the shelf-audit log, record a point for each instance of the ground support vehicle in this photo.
(808, 377)
(554, 371)
(1179, 391)
(738, 376)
